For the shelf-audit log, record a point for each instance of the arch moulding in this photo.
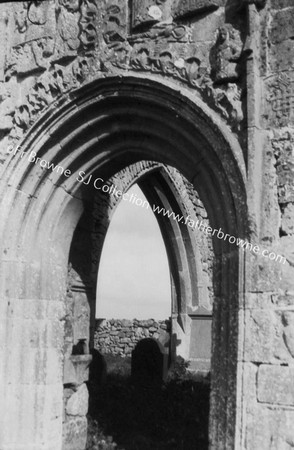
(102, 128)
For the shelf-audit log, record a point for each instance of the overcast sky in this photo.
(133, 279)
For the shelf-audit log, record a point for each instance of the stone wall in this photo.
(75, 398)
(119, 337)
(206, 86)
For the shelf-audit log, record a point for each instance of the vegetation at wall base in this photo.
(126, 416)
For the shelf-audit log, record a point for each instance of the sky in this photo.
(133, 278)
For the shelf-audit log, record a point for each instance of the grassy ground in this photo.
(171, 416)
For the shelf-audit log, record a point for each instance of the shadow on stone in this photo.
(149, 362)
(98, 369)
(125, 415)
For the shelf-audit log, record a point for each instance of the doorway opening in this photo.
(122, 349)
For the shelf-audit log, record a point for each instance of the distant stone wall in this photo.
(119, 337)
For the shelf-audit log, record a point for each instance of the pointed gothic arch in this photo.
(103, 127)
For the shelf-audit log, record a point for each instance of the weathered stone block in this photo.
(75, 434)
(36, 309)
(102, 335)
(126, 323)
(288, 331)
(77, 404)
(265, 273)
(261, 335)
(152, 329)
(282, 26)
(270, 429)
(43, 404)
(287, 224)
(81, 315)
(279, 4)
(250, 374)
(274, 386)
(286, 248)
(147, 323)
(205, 28)
(76, 369)
(283, 299)
(258, 301)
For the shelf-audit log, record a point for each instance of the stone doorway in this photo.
(102, 129)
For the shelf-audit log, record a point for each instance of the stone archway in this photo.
(106, 126)
(189, 250)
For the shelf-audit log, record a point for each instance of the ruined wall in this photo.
(54, 46)
(235, 57)
(269, 305)
(119, 337)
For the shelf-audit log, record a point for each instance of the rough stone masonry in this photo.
(119, 337)
(194, 101)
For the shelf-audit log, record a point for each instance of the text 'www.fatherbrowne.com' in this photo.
(220, 234)
(110, 189)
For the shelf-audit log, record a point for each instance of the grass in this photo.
(125, 415)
